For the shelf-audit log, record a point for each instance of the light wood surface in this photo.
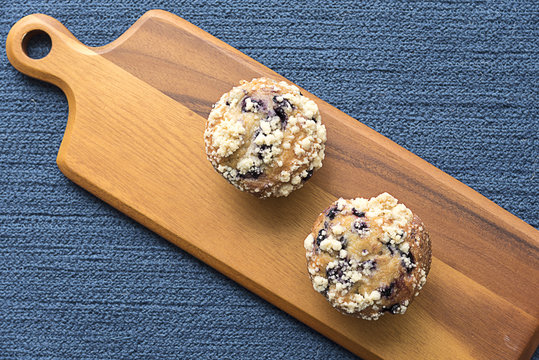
(134, 138)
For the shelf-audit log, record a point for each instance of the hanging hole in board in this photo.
(36, 44)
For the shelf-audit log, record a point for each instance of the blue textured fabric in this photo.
(455, 82)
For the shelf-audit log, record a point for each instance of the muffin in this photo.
(265, 137)
(368, 257)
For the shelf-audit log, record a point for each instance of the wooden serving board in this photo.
(134, 138)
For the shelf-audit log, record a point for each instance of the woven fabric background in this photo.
(455, 82)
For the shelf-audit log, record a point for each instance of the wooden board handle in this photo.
(65, 48)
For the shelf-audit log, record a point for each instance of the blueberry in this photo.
(282, 103)
(332, 212)
(322, 234)
(227, 103)
(410, 266)
(309, 174)
(282, 116)
(358, 213)
(256, 104)
(394, 250)
(253, 173)
(368, 265)
(394, 309)
(263, 149)
(336, 273)
(360, 226)
(280, 110)
(386, 291)
(344, 242)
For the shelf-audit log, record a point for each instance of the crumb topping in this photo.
(265, 137)
(368, 250)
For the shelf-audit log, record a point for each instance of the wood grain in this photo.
(134, 139)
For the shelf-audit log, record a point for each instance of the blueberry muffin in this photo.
(265, 137)
(368, 257)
